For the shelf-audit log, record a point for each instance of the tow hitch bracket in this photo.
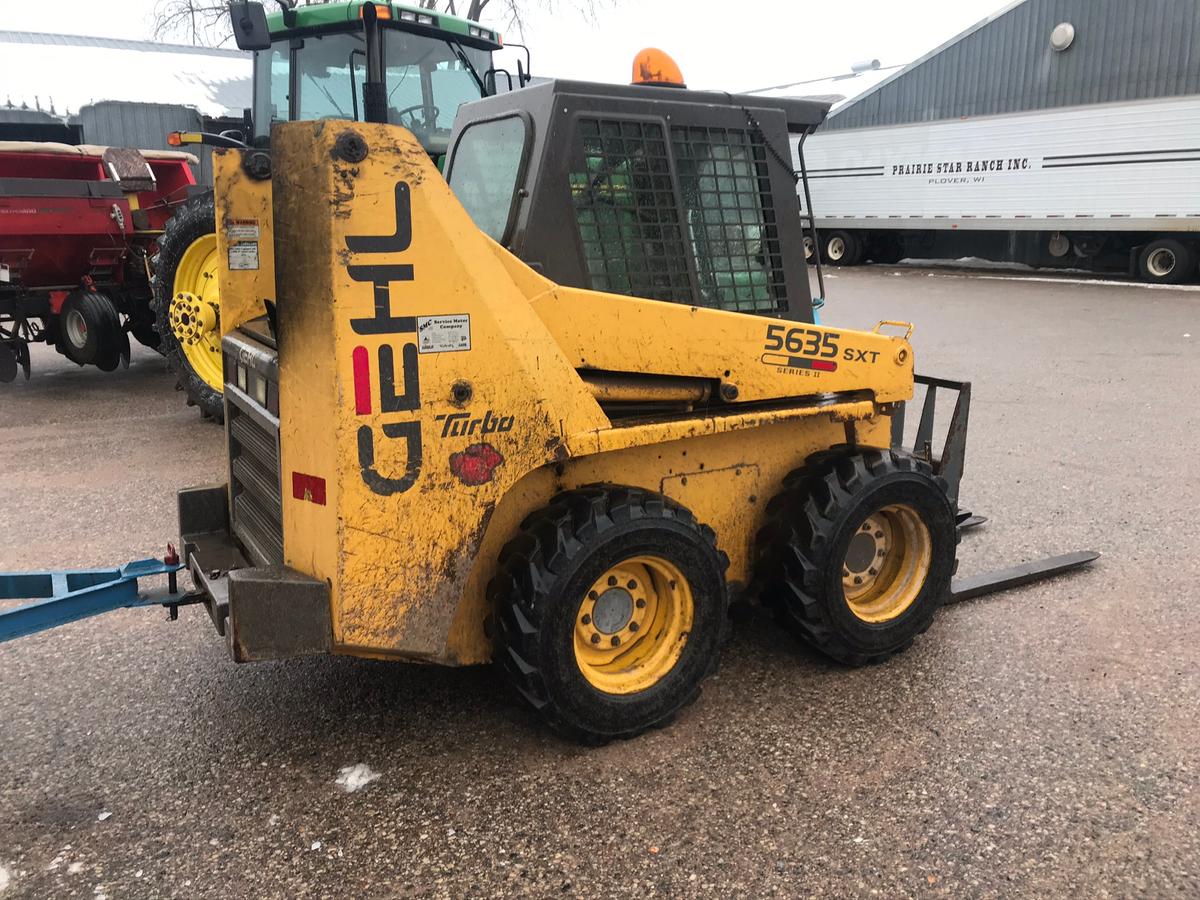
(60, 597)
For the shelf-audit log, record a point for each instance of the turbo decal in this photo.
(391, 400)
(462, 425)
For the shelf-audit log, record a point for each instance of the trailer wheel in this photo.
(1166, 261)
(858, 552)
(609, 609)
(842, 248)
(89, 330)
(187, 303)
(809, 249)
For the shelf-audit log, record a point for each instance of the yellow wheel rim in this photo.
(886, 564)
(195, 310)
(632, 625)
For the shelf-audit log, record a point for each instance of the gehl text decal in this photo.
(400, 402)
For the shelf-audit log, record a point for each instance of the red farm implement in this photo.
(78, 226)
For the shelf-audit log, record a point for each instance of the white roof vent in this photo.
(1062, 36)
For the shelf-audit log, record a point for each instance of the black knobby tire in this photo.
(192, 221)
(804, 545)
(545, 572)
(1183, 261)
(101, 344)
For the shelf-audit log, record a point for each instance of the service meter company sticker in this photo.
(443, 334)
(243, 256)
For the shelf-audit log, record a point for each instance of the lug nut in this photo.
(595, 638)
(631, 584)
(586, 620)
(592, 595)
(633, 626)
(612, 580)
(641, 604)
(616, 641)
(858, 579)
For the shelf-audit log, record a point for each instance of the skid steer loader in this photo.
(440, 452)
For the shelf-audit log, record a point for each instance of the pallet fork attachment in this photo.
(60, 597)
(948, 465)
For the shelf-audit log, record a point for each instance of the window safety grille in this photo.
(626, 212)
(707, 236)
(730, 218)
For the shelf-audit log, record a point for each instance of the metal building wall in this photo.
(1123, 50)
(144, 126)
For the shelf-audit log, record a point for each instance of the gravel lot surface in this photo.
(1039, 743)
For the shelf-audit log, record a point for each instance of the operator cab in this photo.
(647, 190)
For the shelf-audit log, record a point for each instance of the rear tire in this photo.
(842, 248)
(194, 221)
(1166, 261)
(609, 609)
(858, 553)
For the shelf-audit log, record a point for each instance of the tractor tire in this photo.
(609, 610)
(89, 330)
(857, 553)
(186, 239)
(1166, 261)
(841, 248)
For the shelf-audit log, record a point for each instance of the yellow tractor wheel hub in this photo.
(632, 625)
(195, 310)
(886, 564)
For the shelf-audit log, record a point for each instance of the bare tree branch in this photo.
(198, 22)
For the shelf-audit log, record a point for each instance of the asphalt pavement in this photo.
(1039, 743)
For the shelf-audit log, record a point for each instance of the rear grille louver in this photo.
(256, 510)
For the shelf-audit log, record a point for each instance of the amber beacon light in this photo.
(656, 68)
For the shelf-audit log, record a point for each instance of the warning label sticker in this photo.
(443, 334)
(242, 230)
(243, 256)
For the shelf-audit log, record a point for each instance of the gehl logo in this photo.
(462, 425)
(398, 405)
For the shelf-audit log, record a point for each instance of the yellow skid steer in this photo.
(440, 452)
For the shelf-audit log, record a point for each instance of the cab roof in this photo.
(317, 15)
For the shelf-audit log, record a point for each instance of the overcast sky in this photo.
(733, 46)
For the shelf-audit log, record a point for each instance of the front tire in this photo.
(609, 609)
(858, 553)
(187, 303)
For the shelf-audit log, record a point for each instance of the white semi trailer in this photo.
(1108, 186)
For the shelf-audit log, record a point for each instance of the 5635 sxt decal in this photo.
(807, 351)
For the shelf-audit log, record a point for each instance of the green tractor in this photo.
(313, 62)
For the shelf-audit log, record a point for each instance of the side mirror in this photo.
(249, 21)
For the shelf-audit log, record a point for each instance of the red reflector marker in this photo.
(362, 381)
(308, 487)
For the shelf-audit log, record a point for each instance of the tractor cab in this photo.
(331, 61)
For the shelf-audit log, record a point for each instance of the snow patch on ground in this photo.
(353, 778)
(4, 879)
